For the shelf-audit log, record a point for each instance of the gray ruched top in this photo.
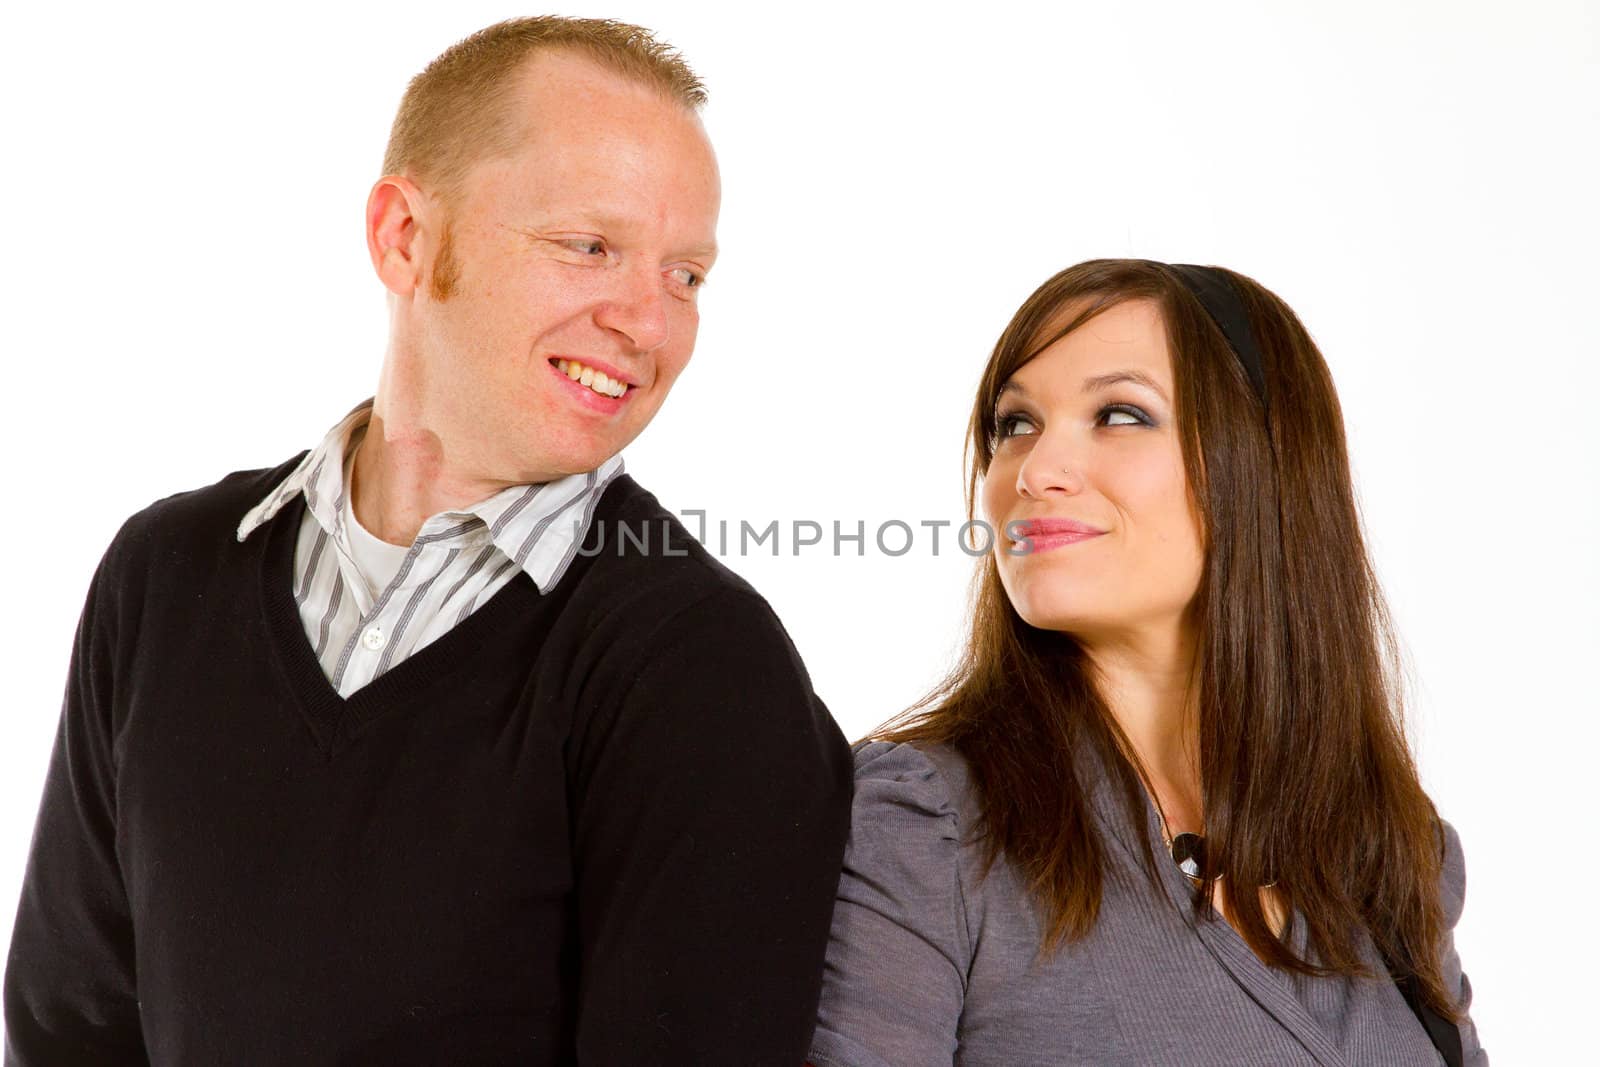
(930, 964)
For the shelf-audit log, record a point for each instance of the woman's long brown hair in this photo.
(1306, 776)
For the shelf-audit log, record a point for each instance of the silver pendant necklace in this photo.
(1188, 850)
(1189, 853)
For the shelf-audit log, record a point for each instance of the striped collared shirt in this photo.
(460, 558)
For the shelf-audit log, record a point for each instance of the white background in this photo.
(187, 293)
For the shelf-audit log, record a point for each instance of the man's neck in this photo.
(401, 477)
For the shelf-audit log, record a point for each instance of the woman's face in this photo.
(1089, 470)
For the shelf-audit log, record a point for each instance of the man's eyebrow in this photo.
(699, 252)
(1138, 377)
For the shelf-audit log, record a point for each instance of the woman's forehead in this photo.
(1128, 338)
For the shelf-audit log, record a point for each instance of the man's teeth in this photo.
(591, 377)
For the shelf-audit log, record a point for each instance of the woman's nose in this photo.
(1049, 470)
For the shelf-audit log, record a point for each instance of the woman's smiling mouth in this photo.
(1041, 535)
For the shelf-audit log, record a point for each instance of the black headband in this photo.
(1217, 295)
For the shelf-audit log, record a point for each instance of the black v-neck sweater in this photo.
(602, 825)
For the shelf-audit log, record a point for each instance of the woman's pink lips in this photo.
(1041, 535)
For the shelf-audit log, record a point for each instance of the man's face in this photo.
(580, 254)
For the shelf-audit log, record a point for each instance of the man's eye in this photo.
(1014, 426)
(688, 278)
(588, 246)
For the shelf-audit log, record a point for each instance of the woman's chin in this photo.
(1073, 622)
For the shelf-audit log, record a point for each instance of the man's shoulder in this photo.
(209, 515)
(636, 541)
(644, 576)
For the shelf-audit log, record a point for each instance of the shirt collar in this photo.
(537, 527)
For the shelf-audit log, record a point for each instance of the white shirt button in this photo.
(374, 638)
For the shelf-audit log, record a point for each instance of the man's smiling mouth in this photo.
(586, 375)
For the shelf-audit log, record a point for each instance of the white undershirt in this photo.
(376, 559)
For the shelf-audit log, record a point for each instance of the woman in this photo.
(1179, 682)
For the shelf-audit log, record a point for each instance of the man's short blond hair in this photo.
(454, 113)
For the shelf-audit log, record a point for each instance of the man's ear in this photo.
(394, 208)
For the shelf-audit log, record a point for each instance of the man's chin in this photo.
(548, 468)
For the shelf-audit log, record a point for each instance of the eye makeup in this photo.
(1006, 422)
(1140, 417)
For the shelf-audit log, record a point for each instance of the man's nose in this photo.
(636, 308)
(1052, 467)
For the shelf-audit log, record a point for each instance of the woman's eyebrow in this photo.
(1106, 381)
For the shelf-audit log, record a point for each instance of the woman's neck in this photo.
(1146, 679)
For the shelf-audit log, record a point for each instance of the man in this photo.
(443, 742)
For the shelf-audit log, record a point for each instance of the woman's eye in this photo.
(1122, 415)
(1014, 426)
